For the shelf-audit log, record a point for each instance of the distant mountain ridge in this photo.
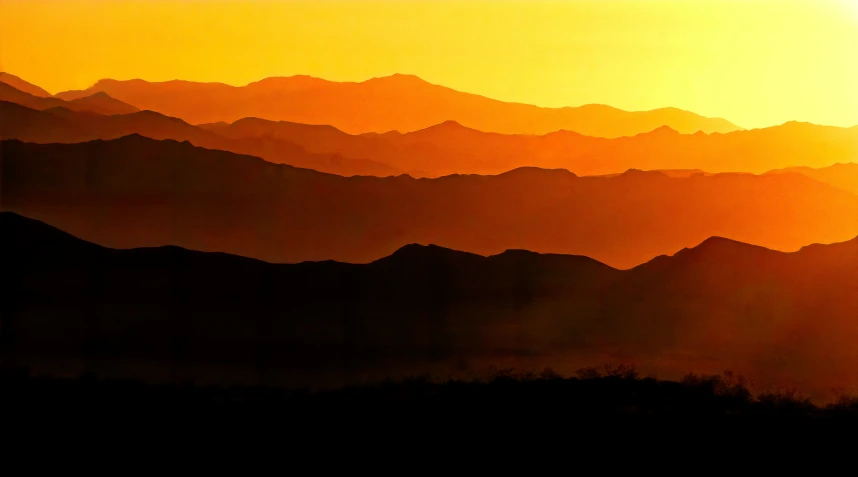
(397, 102)
(450, 148)
(134, 191)
(173, 314)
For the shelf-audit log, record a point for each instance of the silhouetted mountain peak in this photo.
(416, 253)
(716, 246)
(531, 171)
(517, 252)
(139, 140)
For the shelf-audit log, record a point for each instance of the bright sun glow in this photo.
(757, 62)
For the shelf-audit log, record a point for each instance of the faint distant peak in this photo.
(634, 173)
(794, 123)
(446, 126)
(398, 78)
(295, 81)
(109, 81)
(595, 107)
(661, 131)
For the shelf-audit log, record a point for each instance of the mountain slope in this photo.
(134, 191)
(398, 102)
(169, 313)
(22, 85)
(64, 126)
(100, 103)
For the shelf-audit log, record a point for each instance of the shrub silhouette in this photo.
(509, 394)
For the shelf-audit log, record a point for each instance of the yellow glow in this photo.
(754, 62)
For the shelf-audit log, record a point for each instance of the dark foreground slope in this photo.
(68, 306)
(134, 191)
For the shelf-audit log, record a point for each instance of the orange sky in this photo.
(754, 62)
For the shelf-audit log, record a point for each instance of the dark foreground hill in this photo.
(169, 314)
(138, 192)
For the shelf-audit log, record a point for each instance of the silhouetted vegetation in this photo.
(508, 396)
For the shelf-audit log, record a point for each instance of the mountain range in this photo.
(449, 148)
(398, 102)
(136, 192)
(300, 231)
(69, 306)
(60, 125)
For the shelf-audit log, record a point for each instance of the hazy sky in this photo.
(754, 62)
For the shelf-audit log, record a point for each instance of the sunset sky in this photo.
(757, 63)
